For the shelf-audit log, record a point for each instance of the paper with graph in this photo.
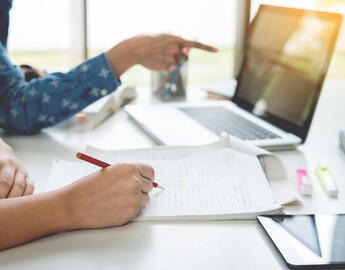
(209, 183)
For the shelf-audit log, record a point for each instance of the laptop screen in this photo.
(287, 57)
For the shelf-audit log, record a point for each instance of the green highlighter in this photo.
(326, 181)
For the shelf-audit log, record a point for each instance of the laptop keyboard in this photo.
(219, 119)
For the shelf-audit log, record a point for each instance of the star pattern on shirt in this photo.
(54, 83)
(46, 98)
(55, 97)
(65, 103)
(104, 92)
(13, 81)
(84, 67)
(94, 91)
(74, 106)
(32, 92)
(104, 73)
(14, 112)
(51, 119)
(42, 118)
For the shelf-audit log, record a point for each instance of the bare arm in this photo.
(25, 218)
(157, 52)
(109, 197)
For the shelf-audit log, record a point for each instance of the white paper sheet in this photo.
(213, 185)
(222, 184)
(272, 165)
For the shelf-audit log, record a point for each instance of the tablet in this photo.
(308, 241)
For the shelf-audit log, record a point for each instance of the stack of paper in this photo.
(210, 182)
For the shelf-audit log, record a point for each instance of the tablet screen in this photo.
(308, 239)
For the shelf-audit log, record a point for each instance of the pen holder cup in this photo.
(170, 85)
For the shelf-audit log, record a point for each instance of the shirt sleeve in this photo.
(5, 6)
(27, 107)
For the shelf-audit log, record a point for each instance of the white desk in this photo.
(172, 245)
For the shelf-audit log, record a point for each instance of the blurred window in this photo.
(39, 33)
(208, 21)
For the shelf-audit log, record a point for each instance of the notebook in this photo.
(212, 182)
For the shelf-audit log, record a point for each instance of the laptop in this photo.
(286, 61)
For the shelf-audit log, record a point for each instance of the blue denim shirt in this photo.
(5, 6)
(27, 107)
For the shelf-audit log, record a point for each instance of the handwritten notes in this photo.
(204, 184)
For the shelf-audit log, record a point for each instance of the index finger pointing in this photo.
(198, 45)
(146, 171)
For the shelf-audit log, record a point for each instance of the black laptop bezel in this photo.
(300, 131)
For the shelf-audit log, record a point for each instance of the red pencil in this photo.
(103, 164)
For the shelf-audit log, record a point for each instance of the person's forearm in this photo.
(25, 218)
(123, 56)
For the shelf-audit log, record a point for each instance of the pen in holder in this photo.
(171, 84)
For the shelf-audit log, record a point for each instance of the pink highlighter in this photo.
(303, 182)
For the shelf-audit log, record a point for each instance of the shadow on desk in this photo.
(81, 245)
(42, 144)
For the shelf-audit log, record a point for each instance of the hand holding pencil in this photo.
(108, 197)
(103, 164)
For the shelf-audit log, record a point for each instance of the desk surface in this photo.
(173, 245)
